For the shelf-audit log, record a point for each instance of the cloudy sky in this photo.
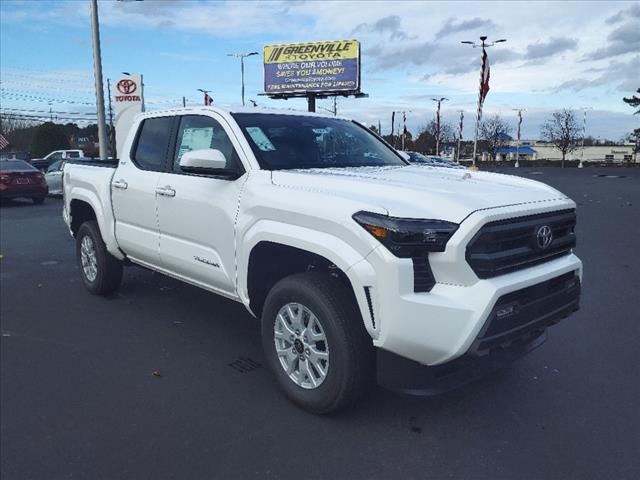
(557, 55)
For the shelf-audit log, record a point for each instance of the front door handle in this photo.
(120, 184)
(166, 191)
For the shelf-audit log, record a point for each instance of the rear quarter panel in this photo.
(92, 184)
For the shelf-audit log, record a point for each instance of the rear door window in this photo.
(153, 143)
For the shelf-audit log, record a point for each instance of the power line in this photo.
(46, 111)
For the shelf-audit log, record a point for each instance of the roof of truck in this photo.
(229, 110)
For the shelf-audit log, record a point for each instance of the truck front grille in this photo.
(513, 244)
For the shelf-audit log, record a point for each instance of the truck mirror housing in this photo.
(207, 159)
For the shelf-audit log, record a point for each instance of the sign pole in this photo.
(311, 101)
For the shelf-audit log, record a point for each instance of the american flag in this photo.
(3, 142)
(484, 76)
(461, 122)
(208, 101)
(404, 123)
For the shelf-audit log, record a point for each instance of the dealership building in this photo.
(536, 150)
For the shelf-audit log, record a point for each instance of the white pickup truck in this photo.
(356, 262)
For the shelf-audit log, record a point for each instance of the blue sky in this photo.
(558, 55)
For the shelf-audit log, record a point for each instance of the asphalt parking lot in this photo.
(79, 398)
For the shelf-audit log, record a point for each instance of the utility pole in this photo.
(112, 136)
(484, 46)
(519, 110)
(184, 102)
(439, 100)
(50, 113)
(242, 56)
(97, 70)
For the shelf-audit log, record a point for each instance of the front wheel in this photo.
(315, 342)
(100, 271)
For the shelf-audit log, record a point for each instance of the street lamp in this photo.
(584, 132)
(242, 56)
(207, 99)
(519, 110)
(483, 45)
(439, 100)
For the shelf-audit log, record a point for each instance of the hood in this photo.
(417, 191)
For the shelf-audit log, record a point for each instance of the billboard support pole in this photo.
(311, 99)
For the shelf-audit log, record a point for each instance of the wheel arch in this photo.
(298, 249)
(85, 206)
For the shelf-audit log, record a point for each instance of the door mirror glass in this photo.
(205, 160)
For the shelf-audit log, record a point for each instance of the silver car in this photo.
(53, 177)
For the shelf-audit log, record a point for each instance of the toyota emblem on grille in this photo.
(544, 236)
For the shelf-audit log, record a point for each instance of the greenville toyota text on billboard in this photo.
(312, 67)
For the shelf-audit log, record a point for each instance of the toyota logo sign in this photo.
(544, 236)
(126, 86)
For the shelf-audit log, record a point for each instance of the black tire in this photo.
(109, 268)
(38, 200)
(351, 364)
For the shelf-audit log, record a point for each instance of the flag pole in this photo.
(484, 58)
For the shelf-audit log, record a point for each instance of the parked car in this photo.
(357, 262)
(432, 160)
(43, 163)
(53, 175)
(18, 179)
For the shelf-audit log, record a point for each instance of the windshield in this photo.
(294, 141)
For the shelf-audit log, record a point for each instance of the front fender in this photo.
(341, 254)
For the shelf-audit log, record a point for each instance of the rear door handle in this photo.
(166, 191)
(120, 184)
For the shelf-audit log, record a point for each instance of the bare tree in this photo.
(563, 131)
(426, 139)
(495, 131)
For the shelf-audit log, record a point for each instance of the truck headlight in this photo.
(407, 237)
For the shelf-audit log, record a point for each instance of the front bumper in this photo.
(516, 325)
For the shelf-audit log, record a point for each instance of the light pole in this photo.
(519, 110)
(207, 99)
(460, 134)
(439, 100)
(404, 127)
(97, 71)
(584, 133)
(242, 56)
(482, 82)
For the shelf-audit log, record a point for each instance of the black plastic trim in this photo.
(423, 279)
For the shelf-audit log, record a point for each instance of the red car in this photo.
(19, 179)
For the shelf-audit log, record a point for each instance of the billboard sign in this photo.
(312, 67)
(129, 101)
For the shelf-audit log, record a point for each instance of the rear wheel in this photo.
(100, 271)
(315, 342)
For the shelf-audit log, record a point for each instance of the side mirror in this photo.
(207, 161)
